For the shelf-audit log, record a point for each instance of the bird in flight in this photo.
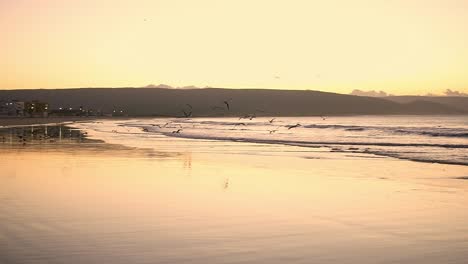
(274, 130)
(293, 126)
(189, 114)
(227, 104)
(239, 124)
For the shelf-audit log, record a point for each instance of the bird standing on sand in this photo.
(177, 131)
(271, 120)
(293, 126)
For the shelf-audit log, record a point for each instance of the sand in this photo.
(86, 202)
(49, 120)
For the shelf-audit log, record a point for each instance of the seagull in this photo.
(293, 126)
(271, 121)
(227, 103)
(177, 131)
(239, 124)
(189, 114)
(274, 130)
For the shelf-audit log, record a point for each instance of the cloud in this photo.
(371, 93)
(449, 92)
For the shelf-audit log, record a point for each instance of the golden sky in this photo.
(399, 46)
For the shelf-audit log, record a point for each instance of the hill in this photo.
(210, 102)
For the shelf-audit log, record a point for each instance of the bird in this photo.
(250, 117)
(189, 114)
(165, 125)
(189, 106)
(239, 124)
(227, 104)
(293, 126)
(177, 131)
(156, 125)
(271, 120)
(323, 118)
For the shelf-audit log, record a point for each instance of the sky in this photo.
(397, 46)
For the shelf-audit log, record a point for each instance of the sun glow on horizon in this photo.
(401, 47)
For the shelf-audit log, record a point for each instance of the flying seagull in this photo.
(239, 124)
(227, 104)
(293, 126)
(189, 114)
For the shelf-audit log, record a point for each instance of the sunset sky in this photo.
(399, 46)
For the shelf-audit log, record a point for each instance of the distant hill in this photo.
(458, 102)
(210, 102)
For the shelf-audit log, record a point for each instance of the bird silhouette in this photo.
(293, 126)
(189, 114)
(227, 103)
(177, 131)
(271, 120)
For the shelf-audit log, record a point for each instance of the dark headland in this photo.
(210, 102)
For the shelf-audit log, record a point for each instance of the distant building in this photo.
(36, 109)
(66, 111)
(12, 108)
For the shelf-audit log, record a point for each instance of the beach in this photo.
(164, 198)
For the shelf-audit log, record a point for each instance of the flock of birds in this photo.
(188, 113)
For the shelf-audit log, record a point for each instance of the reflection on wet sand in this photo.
(65, 139)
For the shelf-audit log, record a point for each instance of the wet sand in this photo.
(74, 200)
(13, 121)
